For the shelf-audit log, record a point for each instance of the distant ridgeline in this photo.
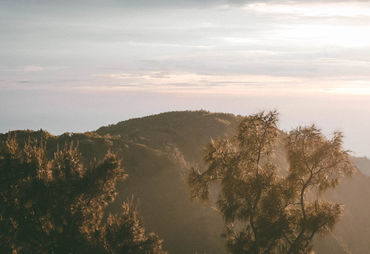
(157, 152)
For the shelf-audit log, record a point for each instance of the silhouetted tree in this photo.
(264, 211)
(58, 205)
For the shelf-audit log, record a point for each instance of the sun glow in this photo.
(325, 35)
(351, 90)
(236, 84)
(346, 9)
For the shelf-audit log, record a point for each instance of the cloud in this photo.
(273, 38)
(89, 4)
(312, 9)
(33, 68)
(231, 84)
(36, 68)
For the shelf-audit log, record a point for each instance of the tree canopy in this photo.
(266, 211)
(59, 206)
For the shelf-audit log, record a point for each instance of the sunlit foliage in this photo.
(265, 212)
(59, 206)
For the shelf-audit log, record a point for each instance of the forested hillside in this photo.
(157, 153)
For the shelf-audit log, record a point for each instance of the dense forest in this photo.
(152, 158)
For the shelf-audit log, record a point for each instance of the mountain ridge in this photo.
(157, 152)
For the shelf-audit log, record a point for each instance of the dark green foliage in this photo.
(59, 206)
(263, 211)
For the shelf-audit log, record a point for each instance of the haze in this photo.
(77, 65)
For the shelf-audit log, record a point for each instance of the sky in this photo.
(73, 66)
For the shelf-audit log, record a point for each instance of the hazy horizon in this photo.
(73, 66)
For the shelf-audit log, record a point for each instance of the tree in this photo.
(59, 206)
(264, 211)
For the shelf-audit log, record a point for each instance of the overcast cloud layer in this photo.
(74, 65)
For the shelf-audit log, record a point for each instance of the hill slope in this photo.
(157, 153)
